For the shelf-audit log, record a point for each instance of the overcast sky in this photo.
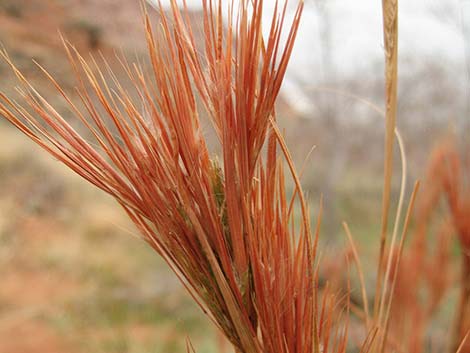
(428, 30)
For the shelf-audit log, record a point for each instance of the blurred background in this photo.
(74, 276)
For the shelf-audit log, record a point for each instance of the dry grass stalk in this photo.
(390, 30)
(391, 296)
(357, 262)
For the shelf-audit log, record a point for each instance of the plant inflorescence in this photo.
(228, 228)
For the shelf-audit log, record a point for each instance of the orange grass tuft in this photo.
(430, 272)
(457, 191)
(225, 230)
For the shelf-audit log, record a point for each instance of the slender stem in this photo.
(390, 29)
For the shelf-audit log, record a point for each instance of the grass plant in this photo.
(225, 224)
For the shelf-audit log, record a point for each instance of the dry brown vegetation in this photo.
(240, 245)
(427, 271)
